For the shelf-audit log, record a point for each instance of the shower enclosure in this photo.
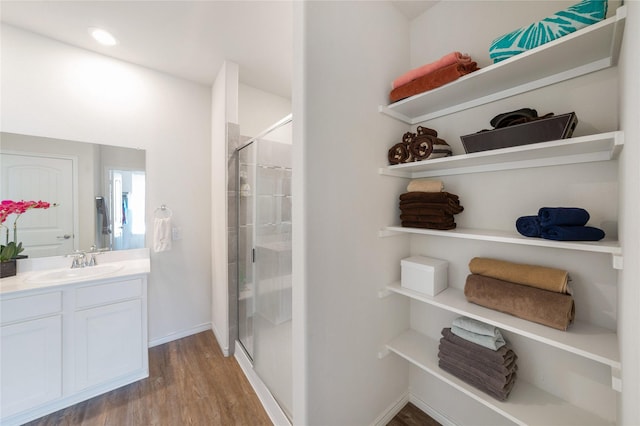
(264, 257)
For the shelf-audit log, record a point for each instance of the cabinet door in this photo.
(31, 363)
(108, 343)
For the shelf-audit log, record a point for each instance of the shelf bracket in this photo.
(618, 261)
(616, 379)
(386, 172)
(384, 293)
(383, 353)
(383, 233)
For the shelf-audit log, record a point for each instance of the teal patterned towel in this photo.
(564, 22)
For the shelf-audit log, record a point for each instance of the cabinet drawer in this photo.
(23, 308)
(100, 294)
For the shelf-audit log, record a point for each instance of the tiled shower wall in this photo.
(233, 142)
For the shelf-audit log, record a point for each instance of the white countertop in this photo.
(116, 264)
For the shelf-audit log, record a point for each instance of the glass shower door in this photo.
(272, 321)
(245, 246)
(264, 260)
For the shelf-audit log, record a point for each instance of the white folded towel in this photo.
(161, 234)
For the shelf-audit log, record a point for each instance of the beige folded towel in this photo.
(551, 279)
(425, 185)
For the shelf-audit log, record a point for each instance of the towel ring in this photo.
(163, 212)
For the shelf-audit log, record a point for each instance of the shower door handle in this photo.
(253, 255)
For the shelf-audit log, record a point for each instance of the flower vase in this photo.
(8, 268)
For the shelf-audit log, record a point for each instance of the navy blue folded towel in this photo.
(529, 226)
(572, 233)
(560, 224)
(573, 216)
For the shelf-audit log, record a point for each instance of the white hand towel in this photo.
(161, 234)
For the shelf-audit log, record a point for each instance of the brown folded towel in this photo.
(504, 368)
(428, 225)
(491, 378)
(425, 185)
(551, 279)
(499, 394)
(424, 211)
(501, 356)
(437, 78)
(429, 197)
(450, 207)
(428, 219)
(545, 307)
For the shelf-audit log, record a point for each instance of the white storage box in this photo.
(424, 274)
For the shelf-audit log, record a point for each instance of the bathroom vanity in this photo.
(70, 334)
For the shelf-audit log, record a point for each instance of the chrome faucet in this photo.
(82, 258)
(93, 252)
(79, 259)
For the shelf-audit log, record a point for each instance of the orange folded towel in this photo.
(448, 59)
(430, 81)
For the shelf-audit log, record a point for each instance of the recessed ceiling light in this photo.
(103, 37)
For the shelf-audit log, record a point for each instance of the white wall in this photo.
(350, 53)
(258, 110)
(629, 291)
(224, 109)
(56, 90)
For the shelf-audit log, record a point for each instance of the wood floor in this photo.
(410, 415)
(190, 383)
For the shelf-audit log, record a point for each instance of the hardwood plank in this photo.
(190, 383)
(410, 415)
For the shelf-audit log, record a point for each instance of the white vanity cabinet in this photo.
(31, 351)
(67, 343)
(109, 331)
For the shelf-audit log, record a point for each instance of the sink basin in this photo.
(76, 274)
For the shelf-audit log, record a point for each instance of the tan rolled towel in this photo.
(551, 279)
(425, 185)
(533, 304)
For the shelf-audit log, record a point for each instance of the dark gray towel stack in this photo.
(491, 371)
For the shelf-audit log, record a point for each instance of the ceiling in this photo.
(188, 39)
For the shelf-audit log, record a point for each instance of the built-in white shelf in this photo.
(599, 147)
(590, 49)
(605, 246)
(595, 343)
(526, 404)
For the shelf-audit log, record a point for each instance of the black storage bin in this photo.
(543, 130)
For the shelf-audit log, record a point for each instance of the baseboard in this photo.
(180, 334)
(436, 415)
(269, 403)
(223, 348)
(391, 411)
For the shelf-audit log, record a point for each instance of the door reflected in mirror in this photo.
(99, 192)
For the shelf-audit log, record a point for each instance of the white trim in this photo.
(269, 403)
(387, 415)
(436, 415)
(224, 349)
(180, 334)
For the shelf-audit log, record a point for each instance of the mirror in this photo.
(97, 194)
